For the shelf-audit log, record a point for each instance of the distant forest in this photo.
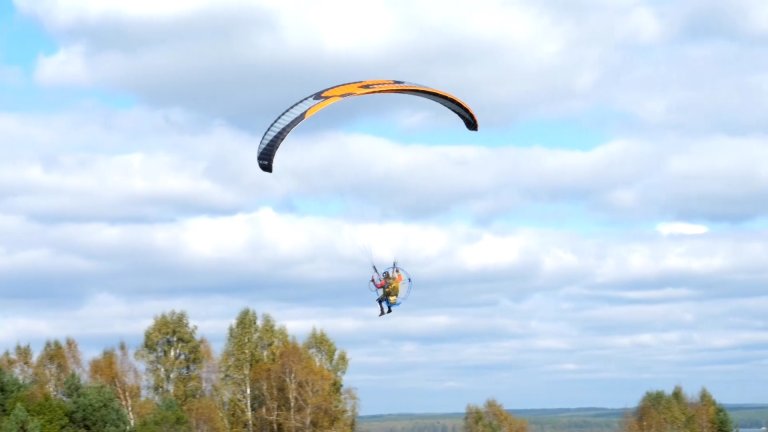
(745, 417)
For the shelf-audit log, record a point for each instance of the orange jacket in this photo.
(393, 282)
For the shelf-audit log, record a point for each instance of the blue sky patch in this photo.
(21, 39)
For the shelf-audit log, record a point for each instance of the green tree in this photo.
(94, 407)
(660, 412)
(20, 421)
(723, 421)
(11, 389)
(709, 415)
(167, 416)
(172, 357)
(678, 410)
(52, 414)
(492, 417)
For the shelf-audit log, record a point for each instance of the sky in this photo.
(603, 234)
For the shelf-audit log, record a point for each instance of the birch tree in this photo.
(116, 370)
(20, 363)
(250, 347)
(54, 365)
(172, 357)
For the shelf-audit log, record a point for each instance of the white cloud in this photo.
(67, 12)
(526, 58)
(681, 228)
(69, 65)
(510, 319)
(146, 164)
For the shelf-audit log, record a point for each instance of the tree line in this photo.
(263, 380)
(657, 411)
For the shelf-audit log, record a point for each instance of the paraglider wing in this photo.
(310, 105)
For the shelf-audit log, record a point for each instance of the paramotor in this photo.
(405, 286)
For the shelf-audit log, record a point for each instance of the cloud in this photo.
(623, 178)
(235, 253)
(246, 61)
(602, 304)
(681, 228)
(141, 164)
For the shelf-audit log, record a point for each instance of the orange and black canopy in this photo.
(310, 105)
